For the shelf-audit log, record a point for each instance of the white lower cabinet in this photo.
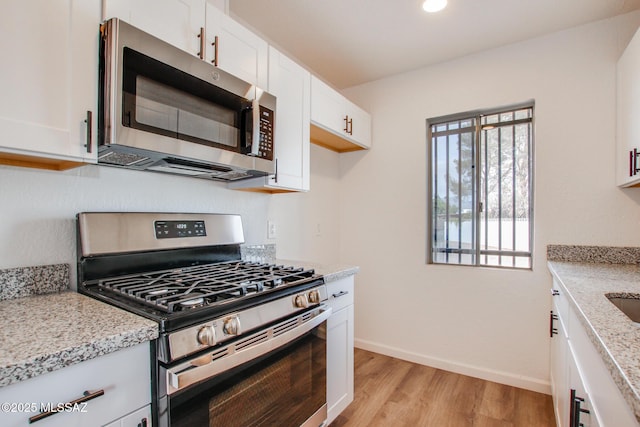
(121, 382)
(583, 391)
(139, 418)
(340, 347)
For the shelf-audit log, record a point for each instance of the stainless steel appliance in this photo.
(240, 344)
(162, 109)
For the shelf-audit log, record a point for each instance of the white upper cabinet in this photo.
(49, 82)
(628, 125)
(337, 123)
(179, 22)
(290, 84)
(235, 49)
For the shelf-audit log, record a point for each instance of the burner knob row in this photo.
(304, 300)
(207, 335)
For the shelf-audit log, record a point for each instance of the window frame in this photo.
(476, 115)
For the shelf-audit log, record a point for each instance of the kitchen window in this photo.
(481, 188)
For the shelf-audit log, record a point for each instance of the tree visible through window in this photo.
(480, 188)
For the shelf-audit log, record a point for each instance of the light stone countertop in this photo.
(43, 333)
(613, 334)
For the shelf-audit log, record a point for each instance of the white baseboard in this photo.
(527, 383)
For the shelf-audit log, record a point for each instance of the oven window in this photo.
(285, 389)
(163, 100)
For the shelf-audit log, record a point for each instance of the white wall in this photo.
(38, 208)
(486, 322)
(308, 223)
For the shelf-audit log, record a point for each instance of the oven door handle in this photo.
(235, 354)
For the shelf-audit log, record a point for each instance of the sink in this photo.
(629, 304)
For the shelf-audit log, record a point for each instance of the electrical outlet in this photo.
(271, 230)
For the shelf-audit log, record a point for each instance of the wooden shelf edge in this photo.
(331, 141)
(35, 162)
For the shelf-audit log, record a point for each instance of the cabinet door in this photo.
(290, 83)
(327, 107)
(339, 361)
(581, 411)
(628, 108)
(124, 376)
(49, 80)
(139, 418)
(340, 346)
(175, 21)
(559, 373)
(359, 125)
(239, 51)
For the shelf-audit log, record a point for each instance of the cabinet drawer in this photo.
(124, 376)
(340, 293)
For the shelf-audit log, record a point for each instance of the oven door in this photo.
(275, 377)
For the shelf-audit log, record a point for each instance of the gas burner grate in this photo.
(204, 285)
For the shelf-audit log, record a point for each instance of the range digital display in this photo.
(173, 229)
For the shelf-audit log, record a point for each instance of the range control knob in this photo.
(207, 335)
(314, 297)
(301, 301)
(231, 326)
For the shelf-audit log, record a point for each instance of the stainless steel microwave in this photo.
(162, 109)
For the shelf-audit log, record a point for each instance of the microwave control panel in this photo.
(266, 133)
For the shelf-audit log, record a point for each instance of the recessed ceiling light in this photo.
(434, 5)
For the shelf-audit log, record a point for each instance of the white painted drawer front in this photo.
(125, 377)
(340, 293)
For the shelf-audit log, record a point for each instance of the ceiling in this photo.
(349, 42)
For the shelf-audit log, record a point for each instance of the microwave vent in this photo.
(122, 158)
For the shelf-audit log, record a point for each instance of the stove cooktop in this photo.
(182, 296)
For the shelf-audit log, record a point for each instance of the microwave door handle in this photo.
(255, 131)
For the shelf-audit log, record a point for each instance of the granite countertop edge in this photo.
(615, 337)
(78, 343)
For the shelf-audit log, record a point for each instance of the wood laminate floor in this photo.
(393, 392)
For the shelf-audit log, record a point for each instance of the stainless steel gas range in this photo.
(240, 343)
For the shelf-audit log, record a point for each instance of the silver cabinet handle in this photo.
(86, 396)
(340, 294)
